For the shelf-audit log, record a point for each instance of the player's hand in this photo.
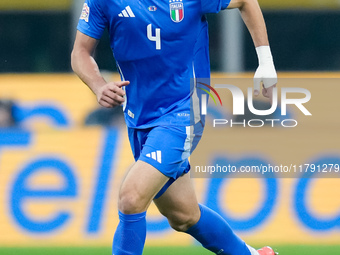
(111, 94)
(268, 92)
(267, 77)
(265, 74)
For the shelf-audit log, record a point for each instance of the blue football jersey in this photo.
(154, 44)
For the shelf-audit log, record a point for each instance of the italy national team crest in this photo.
(176, 10)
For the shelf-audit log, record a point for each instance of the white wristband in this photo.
(264, 55)
(266, 72)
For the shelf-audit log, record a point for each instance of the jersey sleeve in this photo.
(214, 6)
(92, 21)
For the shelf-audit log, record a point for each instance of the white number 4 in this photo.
(156, 38)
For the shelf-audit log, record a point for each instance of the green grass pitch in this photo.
(194, 250)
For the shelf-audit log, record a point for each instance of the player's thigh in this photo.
(139, 187)
(179, 204)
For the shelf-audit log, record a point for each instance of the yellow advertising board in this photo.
(59, 179)
(35, 5)
(299, 4)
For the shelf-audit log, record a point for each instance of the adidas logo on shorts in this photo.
(127, 13)
(156, 155)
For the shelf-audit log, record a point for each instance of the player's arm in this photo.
(84, 65)
(253, 19)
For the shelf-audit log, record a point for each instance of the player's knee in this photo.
(130, 203)
(182, 222)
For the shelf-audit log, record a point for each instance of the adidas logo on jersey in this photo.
(156, 155)
(127, 13)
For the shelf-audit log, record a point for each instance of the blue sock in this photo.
(130, 235)
(214, 233)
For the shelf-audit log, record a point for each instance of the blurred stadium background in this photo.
(62, 158)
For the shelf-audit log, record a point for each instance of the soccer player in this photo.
(159, 46)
